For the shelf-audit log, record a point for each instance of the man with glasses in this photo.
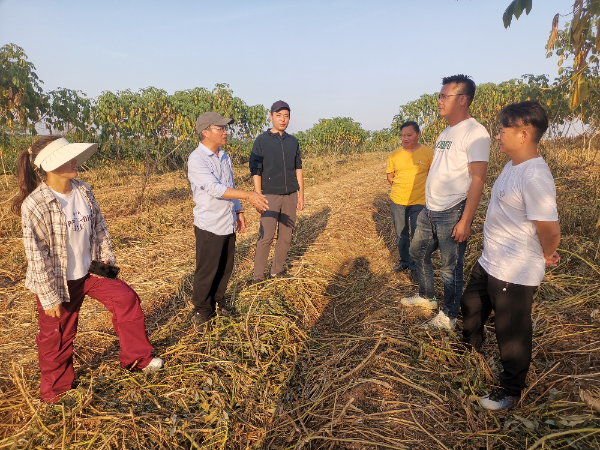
(452, 193)
(217, 216)
(276, 169)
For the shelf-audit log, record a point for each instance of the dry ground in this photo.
(324, 359)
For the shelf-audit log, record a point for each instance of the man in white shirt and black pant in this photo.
(520, 237)
(452, 192)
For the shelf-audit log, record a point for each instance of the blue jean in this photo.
(434, 230)
(401, 216)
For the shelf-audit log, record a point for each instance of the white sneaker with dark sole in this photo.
(421, 302)
(497, 400)
(155, 364)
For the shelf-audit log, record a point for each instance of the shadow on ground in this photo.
(384, 225)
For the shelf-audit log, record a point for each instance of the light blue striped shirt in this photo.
(210, 175)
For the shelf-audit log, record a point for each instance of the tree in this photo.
(70, 112)
(21, 98)
(580, 42)
(341, 134)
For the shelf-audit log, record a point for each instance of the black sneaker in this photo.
(498, 400)
(400, 268)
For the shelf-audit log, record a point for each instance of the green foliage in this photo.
(516, 8)
(21, 98)
(384, 139)
(70, 112)
(340, 134)
(424, 111)
(580, 41)
(148, 125)
(490, 98)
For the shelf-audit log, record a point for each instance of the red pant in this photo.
(55, 339)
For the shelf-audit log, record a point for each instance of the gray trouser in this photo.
(282, 211)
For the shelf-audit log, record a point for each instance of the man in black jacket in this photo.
(276, 170)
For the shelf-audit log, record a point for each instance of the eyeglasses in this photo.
(443, 97)
(218, 128)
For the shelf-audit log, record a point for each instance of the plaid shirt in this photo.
(45, 241)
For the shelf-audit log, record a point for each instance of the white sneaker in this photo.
(442, 321)
(155, 364)
(498, 400)
(417, 300)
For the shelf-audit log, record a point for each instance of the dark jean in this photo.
(512, 304)
(434, 230)
(401, 216)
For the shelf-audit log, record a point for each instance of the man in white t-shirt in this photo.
(520, 237)
(452, 193)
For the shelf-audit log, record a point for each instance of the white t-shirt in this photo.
(449, 178)
(78, 217)
(512, 251)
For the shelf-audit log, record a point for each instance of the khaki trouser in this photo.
(281, 214)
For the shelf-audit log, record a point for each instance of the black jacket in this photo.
(275, 158)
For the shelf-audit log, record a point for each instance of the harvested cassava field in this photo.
(324, 359)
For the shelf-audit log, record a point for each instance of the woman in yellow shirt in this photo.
(407, 169)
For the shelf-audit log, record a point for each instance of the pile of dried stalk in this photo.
(326, 358)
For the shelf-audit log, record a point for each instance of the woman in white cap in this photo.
(63, 232)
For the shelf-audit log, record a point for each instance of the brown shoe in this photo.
(222, 311)
(201, 322)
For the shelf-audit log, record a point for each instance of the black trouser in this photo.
(214, 264)
(512, 305)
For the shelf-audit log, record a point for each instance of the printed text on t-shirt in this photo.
(443, 145)
(78, 221)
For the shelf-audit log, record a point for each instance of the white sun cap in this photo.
(60, 151)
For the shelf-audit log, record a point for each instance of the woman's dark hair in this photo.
(467, 85)
(524, 114)
(27, 174)
(410, 123)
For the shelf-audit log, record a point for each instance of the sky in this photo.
(358, 59)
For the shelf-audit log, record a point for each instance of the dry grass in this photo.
(324, 359)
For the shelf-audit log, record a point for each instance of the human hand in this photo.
(241, 225)
(461, 231)
(258, 200)
(300, 204)
(54, 312)
(552, 260)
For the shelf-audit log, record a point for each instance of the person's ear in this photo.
(525, 135)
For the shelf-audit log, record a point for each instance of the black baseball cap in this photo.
(279, 105)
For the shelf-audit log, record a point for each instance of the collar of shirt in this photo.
(49, 196)
(283, 135)
(208, 152)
